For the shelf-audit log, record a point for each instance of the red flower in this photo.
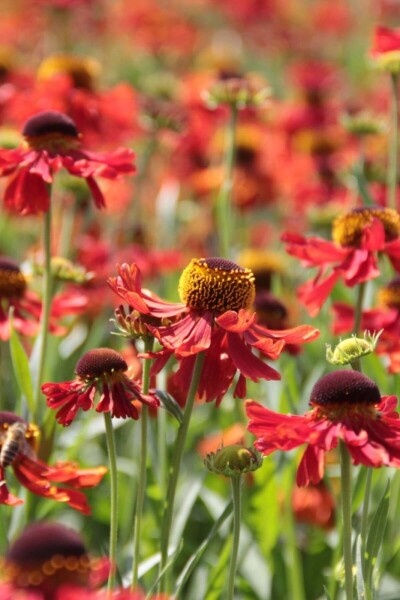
(27, 306)
(17, 449)
(346, 405)
(99, 371)
(385, 40)
(214, 318)
(53, 143)
(352, 256)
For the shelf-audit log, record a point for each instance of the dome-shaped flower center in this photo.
(48, 555)
(51, 130)
(344, 393)
(347, 229)
(270, 311)
(99, 363)
(390, 294)
(12, 281)
(216, 285)
(82, 70)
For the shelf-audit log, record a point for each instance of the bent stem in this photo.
(393, 146)
(236, 483)
(224, 208)
(176, 464)
(137, 528)
(45, 316)
(112, 456)
(345, 466)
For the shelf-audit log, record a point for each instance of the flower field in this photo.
(199, 300)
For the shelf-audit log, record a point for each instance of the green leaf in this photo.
(196, 556)
(20, 364)
(359, 570)
(375, 536)
(170, 404)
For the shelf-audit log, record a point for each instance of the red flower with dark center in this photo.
(358, 238)
(27, 306)
(98, 372)
(17, 450)
(52, 143)
(346, 405)
(215, 318)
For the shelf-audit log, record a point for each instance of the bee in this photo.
(13, 441)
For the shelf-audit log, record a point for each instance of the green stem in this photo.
(45, 316)
(359, 306)
(137, 528)
(364, 517)
(176, 464)
(345, 465)
(393, 146)
(236, 483)
(224, 208)
(112, 456)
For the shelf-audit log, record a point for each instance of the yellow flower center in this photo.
(347, 229)
(390, 294)
(82, 70)
(216, 285)
(12, 281)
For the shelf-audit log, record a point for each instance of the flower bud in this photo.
(352, 348)
(233, 460)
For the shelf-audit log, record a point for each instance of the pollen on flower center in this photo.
(344, 393)
(12, 281)
(216, 285)
(51, 130)
(347, 229)
(99, 362)
(390, 294)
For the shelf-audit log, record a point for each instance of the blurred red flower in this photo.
(53, 142)
(352, 256)
(17, 441)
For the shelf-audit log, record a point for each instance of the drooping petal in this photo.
(311, 467)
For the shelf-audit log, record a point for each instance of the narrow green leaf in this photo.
(20, 364)
(327, 595)
(375, 536)
(196, 556)
(359, 570)
(170, 404)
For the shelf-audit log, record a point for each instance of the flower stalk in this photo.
(112, 456)
(176, 464)
(393, 145)
(236, 484)
(345, 466)
(224, 208)
(45, 316)
(148, 346)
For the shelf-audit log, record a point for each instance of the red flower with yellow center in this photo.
(217, 295)
(27, 306)
(385, 49)
(18, 450)
(358, 237)
(99, 372)
(347, 406)
(52, 142)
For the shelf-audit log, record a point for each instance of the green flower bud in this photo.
(233, 460)
(352, 348)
